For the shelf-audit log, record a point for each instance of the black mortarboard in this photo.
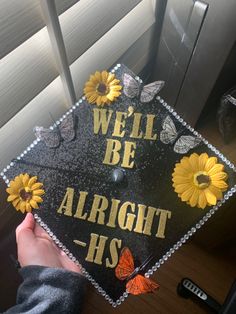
(131, 174)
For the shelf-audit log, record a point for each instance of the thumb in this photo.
(25, 231)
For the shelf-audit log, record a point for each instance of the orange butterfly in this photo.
(136, 283)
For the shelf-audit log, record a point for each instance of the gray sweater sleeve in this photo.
(49, 290)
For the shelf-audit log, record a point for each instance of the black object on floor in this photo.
(187, 288)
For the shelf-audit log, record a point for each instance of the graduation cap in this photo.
(120, 182)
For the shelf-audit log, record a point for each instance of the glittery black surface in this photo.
(78, 164)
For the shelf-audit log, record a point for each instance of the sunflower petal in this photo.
(16, 184)
(23, 206)
(202, 161)
(17, 207)
(12, 197)
(99, 100)
(92, 99)
(210, 163)
(211, 198)
(38, 192)
(25, 179)
(37, 199)
(28, 208)
(194, 198)
(34, 204)
(216, 169)
(32, 181)
(202, 201)
(97, 76)
(110, 96)
(36, 186)
(104, 76)
(181, 171)
(89, 89)
(216, 191)
(181, 188)
(219, 176)
(116, 88)
(115, 82)
(187, 194)
(180, 180)
(16, 202)
(220, 184)
(11, 190)
(193, 160)
(115, 94)
(186, 165)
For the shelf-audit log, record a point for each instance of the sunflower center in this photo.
(102, 89)
(25, 194)
(202, 180)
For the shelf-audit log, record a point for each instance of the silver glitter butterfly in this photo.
(64, 131)
(169, 135)
(146, 93)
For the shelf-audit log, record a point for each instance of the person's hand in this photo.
(35, 247)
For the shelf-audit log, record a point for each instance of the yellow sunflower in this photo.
(25, 192)
(102, 88)
(199, 180)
